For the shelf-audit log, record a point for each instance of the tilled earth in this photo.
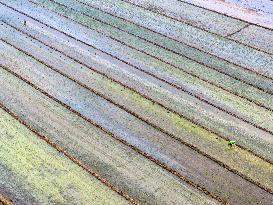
(133, 102)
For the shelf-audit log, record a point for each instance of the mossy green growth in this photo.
(47, 175)
(231, 142)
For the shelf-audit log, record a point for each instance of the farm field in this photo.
(135, 102)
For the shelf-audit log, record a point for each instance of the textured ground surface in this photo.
(134, 102)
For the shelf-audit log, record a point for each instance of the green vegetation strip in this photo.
(234, 104)
(119, 164)
(207, 142)
(175, 60)
(242, 133)
(47, 174)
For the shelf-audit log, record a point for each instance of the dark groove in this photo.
(138, 116)
(198, 124)
(63, 151)
(176, 86)
(223, 14)
(168, 49)
(185, 179)
(208, 31)
(239, 30)
(199, 49)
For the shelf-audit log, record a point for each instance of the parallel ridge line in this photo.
(223, 14)
(183, 178)
(168, 49)
(249, 46)
(174, 85)
(64, 152)
(199, 49)
(180, 69)
(147, 97)
(138, 116)
(4, 200)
